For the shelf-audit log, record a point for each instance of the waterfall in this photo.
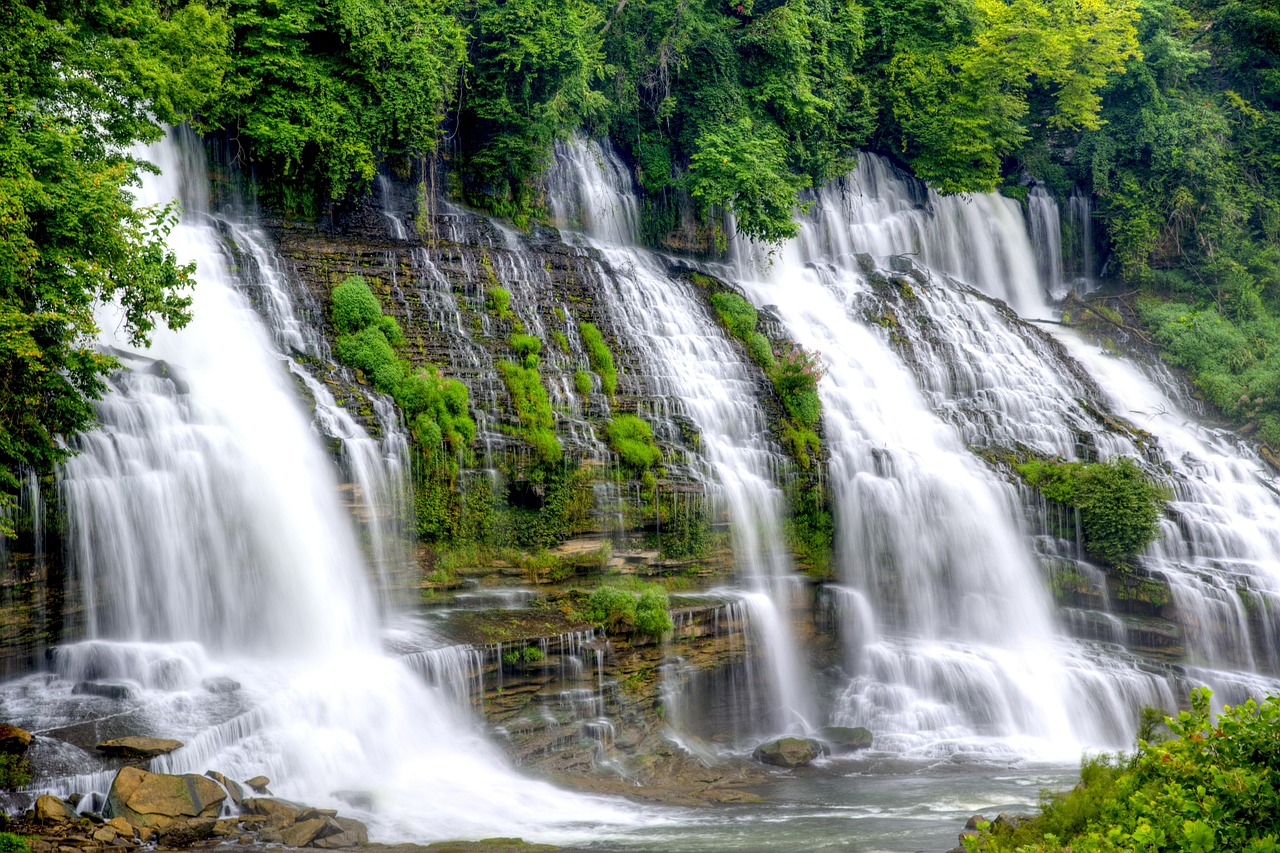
(966, 653)
(228, 597)
(1045, 227)
(703, 375)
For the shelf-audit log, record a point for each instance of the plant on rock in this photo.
(1119, 504)
(533, 411)
(599, 356)
(622, 611)
(631, 438)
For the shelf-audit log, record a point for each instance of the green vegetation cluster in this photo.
(1214, 785)
(13, 843)
(599, 356)
(15, 772)
(1118, 504)
(619, 610)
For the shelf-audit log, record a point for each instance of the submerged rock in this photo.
(789, 751)
(138, 748)
(13, 740)
(844, 739)
(158, 800)
(105, 689)
(220, 684)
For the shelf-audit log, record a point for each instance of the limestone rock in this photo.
(258, 783)
(106, 835)
(303, 832)
(312, 814)
(50, 809)
(157, 800)
(273, 807)
(13, 740)
(233, 787)
(105, 689)
(138, 748)
(844, 739)
(184, 833)
(121, 826)
(789, 751)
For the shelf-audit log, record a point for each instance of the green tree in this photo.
(80, 84)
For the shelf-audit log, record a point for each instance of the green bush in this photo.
(582, 382)
(525, 345)
(631, 438)
(599, 356)
(1213, 786)
(1119, 505)
(11, 843)
(354, 306)
(737, 314)
(795, 378)
(652, 616)
(498, 302)
(533, 409)
(761, 351)
(370, 351)
(15, 772)
(561, 341)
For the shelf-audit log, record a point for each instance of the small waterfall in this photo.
(701, 374)
(1079, 250)
(1045, 227)
(230, 606)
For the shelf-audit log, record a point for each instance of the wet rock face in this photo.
(789, 752)
(138, 748)
(158, 800)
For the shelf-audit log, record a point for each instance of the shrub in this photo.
(11, 843)
(652, 617)
(370, 351)
(1214, 785)
(761, 351)
(611, 608)
(737, 314)
(561, 341)
(499, 302)
(599, 356)
(582, 382)
(631, 438)
(795, 378)
(1119, 505)
(525, 345)
(533, 409)
(354, 306)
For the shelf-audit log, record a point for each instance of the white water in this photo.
(965, 655)
(207, 527)
(695, 366)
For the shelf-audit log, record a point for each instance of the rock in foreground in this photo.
(789, 751)
(158, 800)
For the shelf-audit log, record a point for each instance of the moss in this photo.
(600, 357)
(353, 306)
(582, 382)
(533, 409)
(498, 301)
(561, 341)
(631, 438)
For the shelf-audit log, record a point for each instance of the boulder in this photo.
(280, 810)
(312, 814)
(50, 809)
(353, 834)
(304, 832)
(105, 689)
(789, 751)
(138, 748)
(233, 787)
(121, 826)
(844, 739)
(259, 784)
(184, 833)
(13, 740)
(158, 800)
(220, 684)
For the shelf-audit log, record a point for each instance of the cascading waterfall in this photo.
(933, 543)
(228, 603)
(696, 367)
